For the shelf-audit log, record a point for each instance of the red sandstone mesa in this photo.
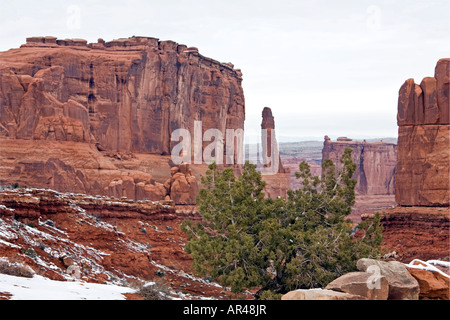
(86, 117)
(375, 162)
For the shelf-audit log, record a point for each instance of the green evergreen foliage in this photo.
(278, 245)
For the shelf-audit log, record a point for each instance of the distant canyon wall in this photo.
(376, 164)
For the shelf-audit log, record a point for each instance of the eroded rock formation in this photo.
(376, 163)
(126, 95)
(276, 176)
(422, 177)
(419, 226)
(182, 187)
(101, 108)
(417, 232)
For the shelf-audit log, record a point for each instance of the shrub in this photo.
(30, 253)
(160, 273)
(156, 291)
(15, 269)
(306, 241)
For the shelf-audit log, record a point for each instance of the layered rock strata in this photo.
(76, 237)
(126, 95)
(112, 104)
(424, 140)
(376, 163)
(419, 226)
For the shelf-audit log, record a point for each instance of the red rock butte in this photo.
(375, 163)
(422, 176)
(419, 226)
(97, 118)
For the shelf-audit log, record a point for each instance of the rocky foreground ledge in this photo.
(416, 232)
(380, 280)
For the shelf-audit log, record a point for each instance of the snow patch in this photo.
(40, 288)
(429, 266)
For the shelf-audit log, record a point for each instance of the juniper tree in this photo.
(305, 241)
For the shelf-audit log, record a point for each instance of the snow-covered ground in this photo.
(40, 288)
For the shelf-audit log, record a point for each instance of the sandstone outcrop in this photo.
(402, 286)
(126, 95)
(422, 175)
(376, 163)
(434, 284)
(276, 176)
(416, 232)
(182, 187)
(102, 110)
(268, 126)
(418, 228)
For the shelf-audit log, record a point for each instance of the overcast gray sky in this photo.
(325, 67)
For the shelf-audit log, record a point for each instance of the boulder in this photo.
(184, 191)
(402, 286)
(320, 294)
(183, 168)
(67, 261)
(173, 171)
(370, 286)
(434, 285)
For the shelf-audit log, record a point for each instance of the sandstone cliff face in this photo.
(422, 176)
(126, 95)
(419, 226)
(111, 104)
(376, 163)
